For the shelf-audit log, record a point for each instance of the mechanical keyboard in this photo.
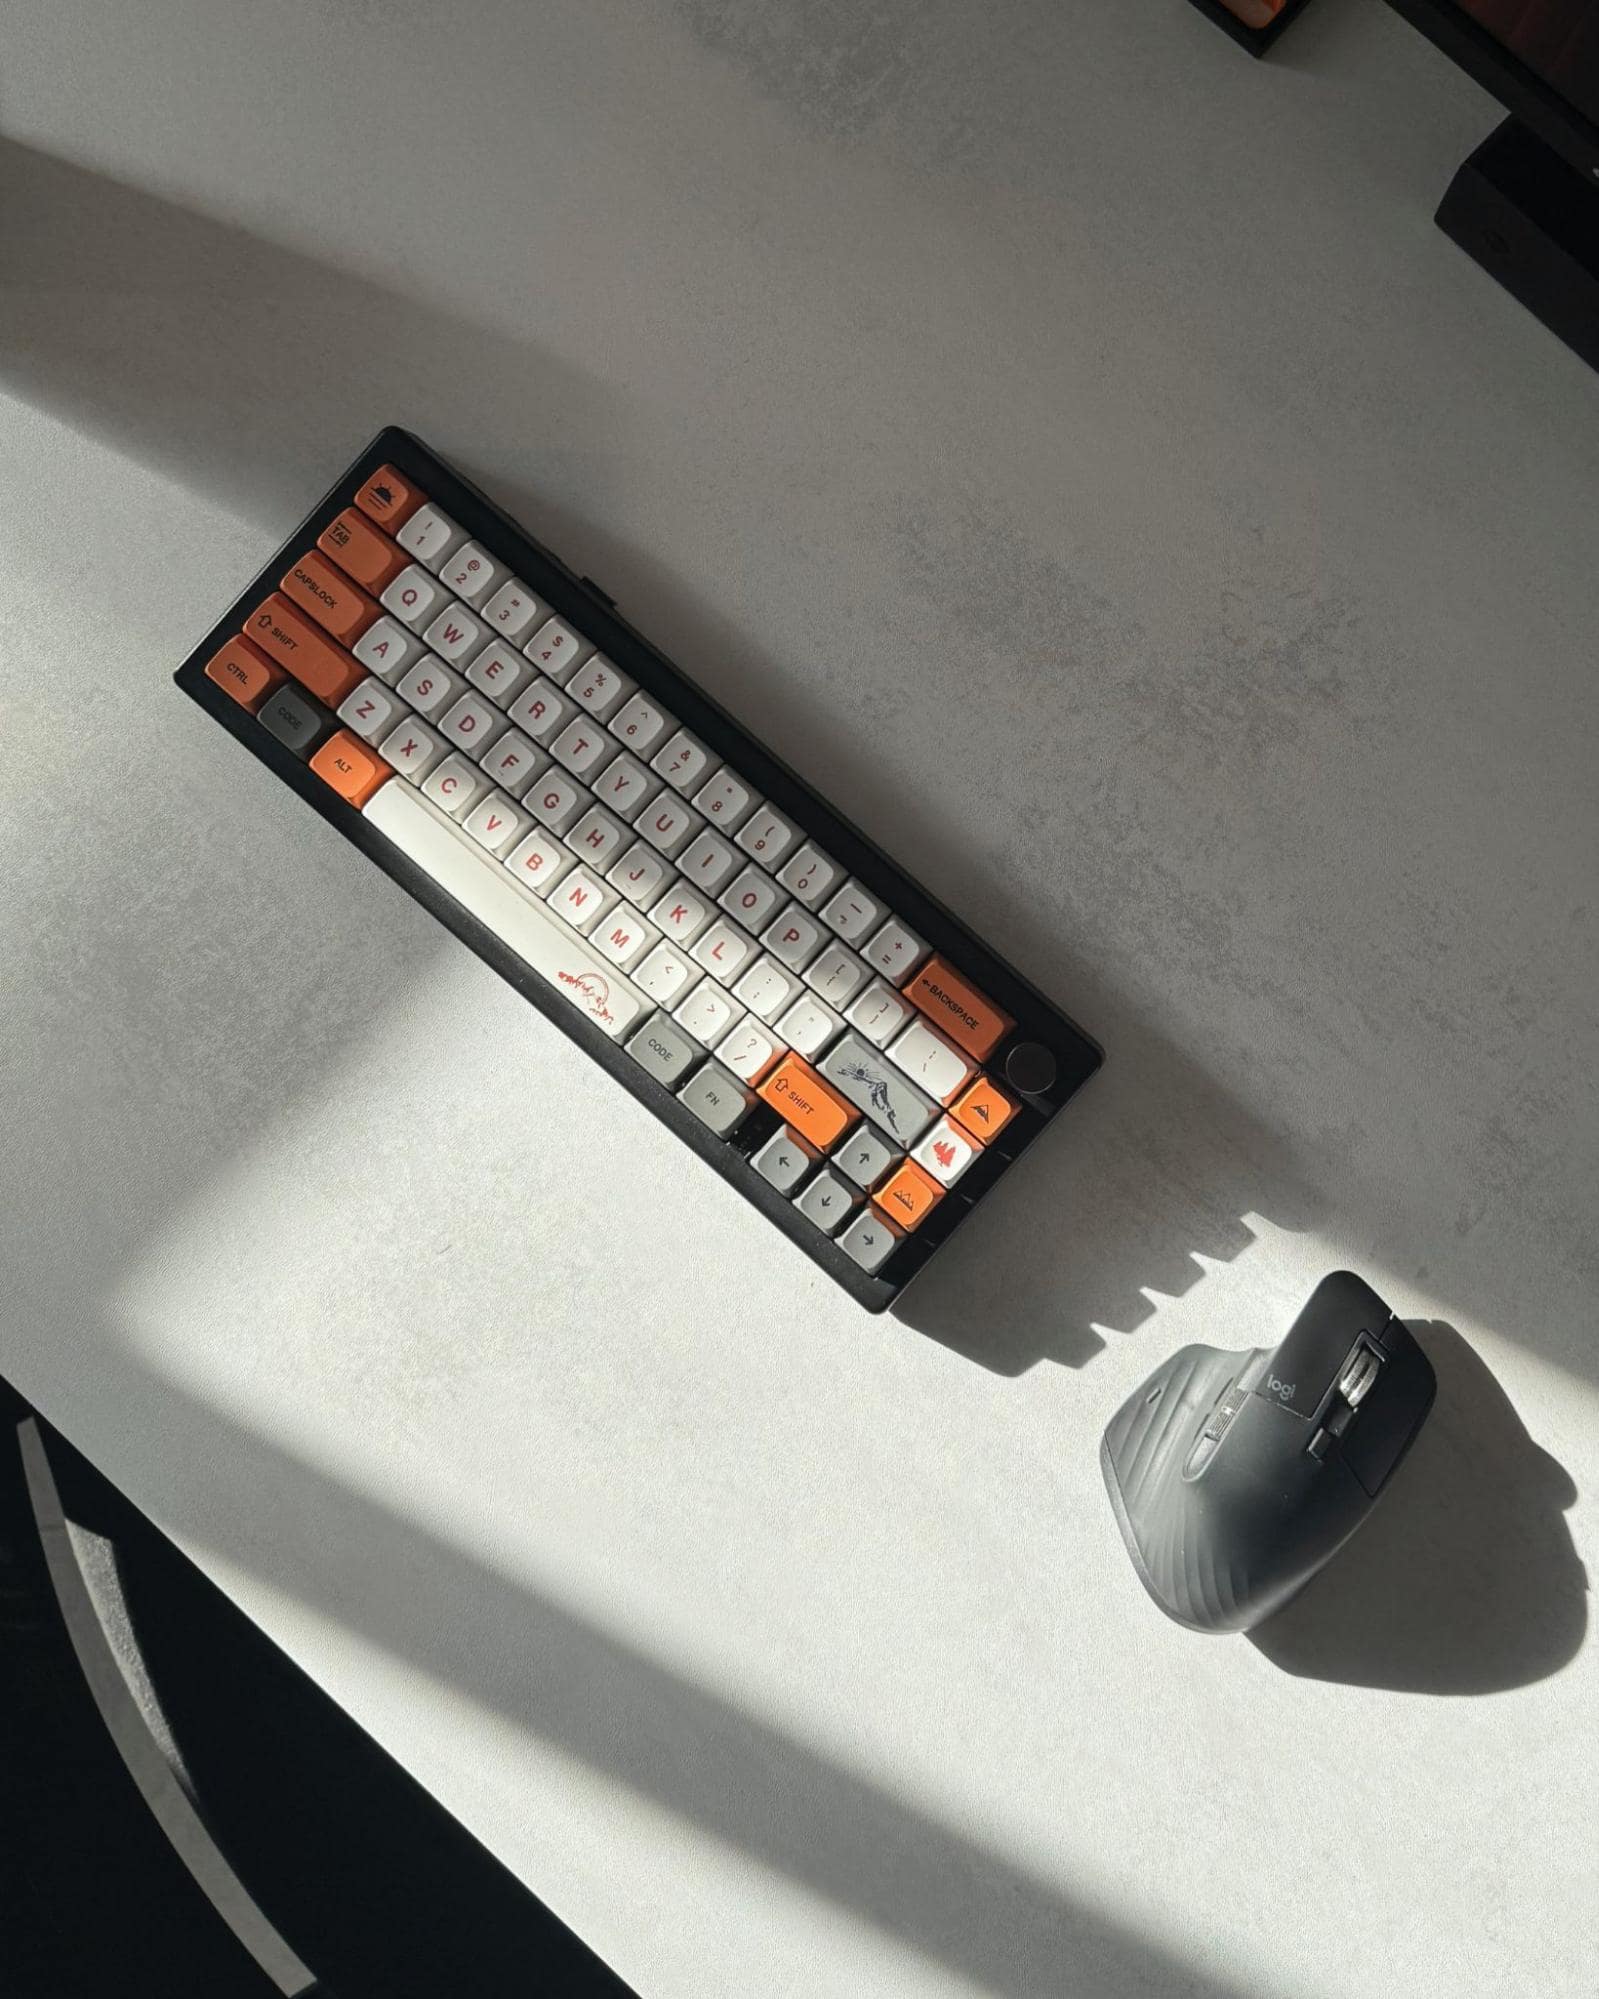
(484, 725)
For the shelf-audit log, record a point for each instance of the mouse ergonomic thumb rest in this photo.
(1235, 1475)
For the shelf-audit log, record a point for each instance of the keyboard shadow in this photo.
(1465, 1580)
(512, 1650)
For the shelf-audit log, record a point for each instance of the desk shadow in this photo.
(1465, 1579)
(242, 369)
(918, 1877)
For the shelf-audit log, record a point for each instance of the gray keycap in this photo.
(865, 1157)
(826, 1201)
(868, 1239)
(664, 1051)
(784, 1160)
(294, 718)
(865, 1075)
(717, 1099)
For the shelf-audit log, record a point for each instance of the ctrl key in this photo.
(869, 1241)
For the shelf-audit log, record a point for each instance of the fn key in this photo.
(298, 722)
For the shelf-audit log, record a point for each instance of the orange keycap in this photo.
(362, 552)
(970, 1020)
(245, 671)
(309, 654)
(798, 1094)
(333, 600)
(389, 499)
(353, 770)
(909, 1195)
(984, 1110)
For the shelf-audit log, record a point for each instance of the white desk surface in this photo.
(1075, 447)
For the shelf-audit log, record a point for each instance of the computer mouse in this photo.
(1236, 1475)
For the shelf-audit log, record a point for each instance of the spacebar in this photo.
(426, 836)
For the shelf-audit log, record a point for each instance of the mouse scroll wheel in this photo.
(1360, 1372)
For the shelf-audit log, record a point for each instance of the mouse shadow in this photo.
(1465, 1579)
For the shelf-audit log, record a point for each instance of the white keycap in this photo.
(624, 937)
(642, 725)
(539, 861)
(852, 912)
(456, 636)
(932, 1063)
(482, 887)
(430, 686)
(386, 648)
(767, 835)
(895, 951)
(836, 975)
(555, 650)
(556, 800)
(879, 1012)
(725, 802)
(708, 1013)
(869, 1239)
(581, 899)
(511, 609)
(666, 975)
(810, 876)
(412, 749)
(640, 874)
(599, 686)
(668, 824)
(683, 762)
(471, 572)
(809, 1026)
(794, 937)
(473, 723)
(431, 536)
(455, 784)
(497, 822)
(707, 862)
(749, 1050)
(767, 988)
(625, 787)
(752, 898)
(581, 746)
(724, 950)
(414, 597)
(542, 710)
(597, 838)
(945, 1152)
(500, 670)
(513, 762)
(680, 915)
(371, 710)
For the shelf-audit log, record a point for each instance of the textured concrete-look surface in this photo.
(1074, 446)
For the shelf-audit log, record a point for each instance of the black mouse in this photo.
(1235, 1476)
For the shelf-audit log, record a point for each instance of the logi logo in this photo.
(1283, 1388)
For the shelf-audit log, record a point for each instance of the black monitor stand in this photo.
(1531, 220)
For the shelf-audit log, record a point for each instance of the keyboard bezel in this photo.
(591, 611)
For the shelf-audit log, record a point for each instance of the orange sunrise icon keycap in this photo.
(388, 499)
(984, 1110)
(909, 1195)
(327, 594)
(364, 554)
(245, 671)
(968, 1017)
(354, 771)
(802, 1099)
(305, 649)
